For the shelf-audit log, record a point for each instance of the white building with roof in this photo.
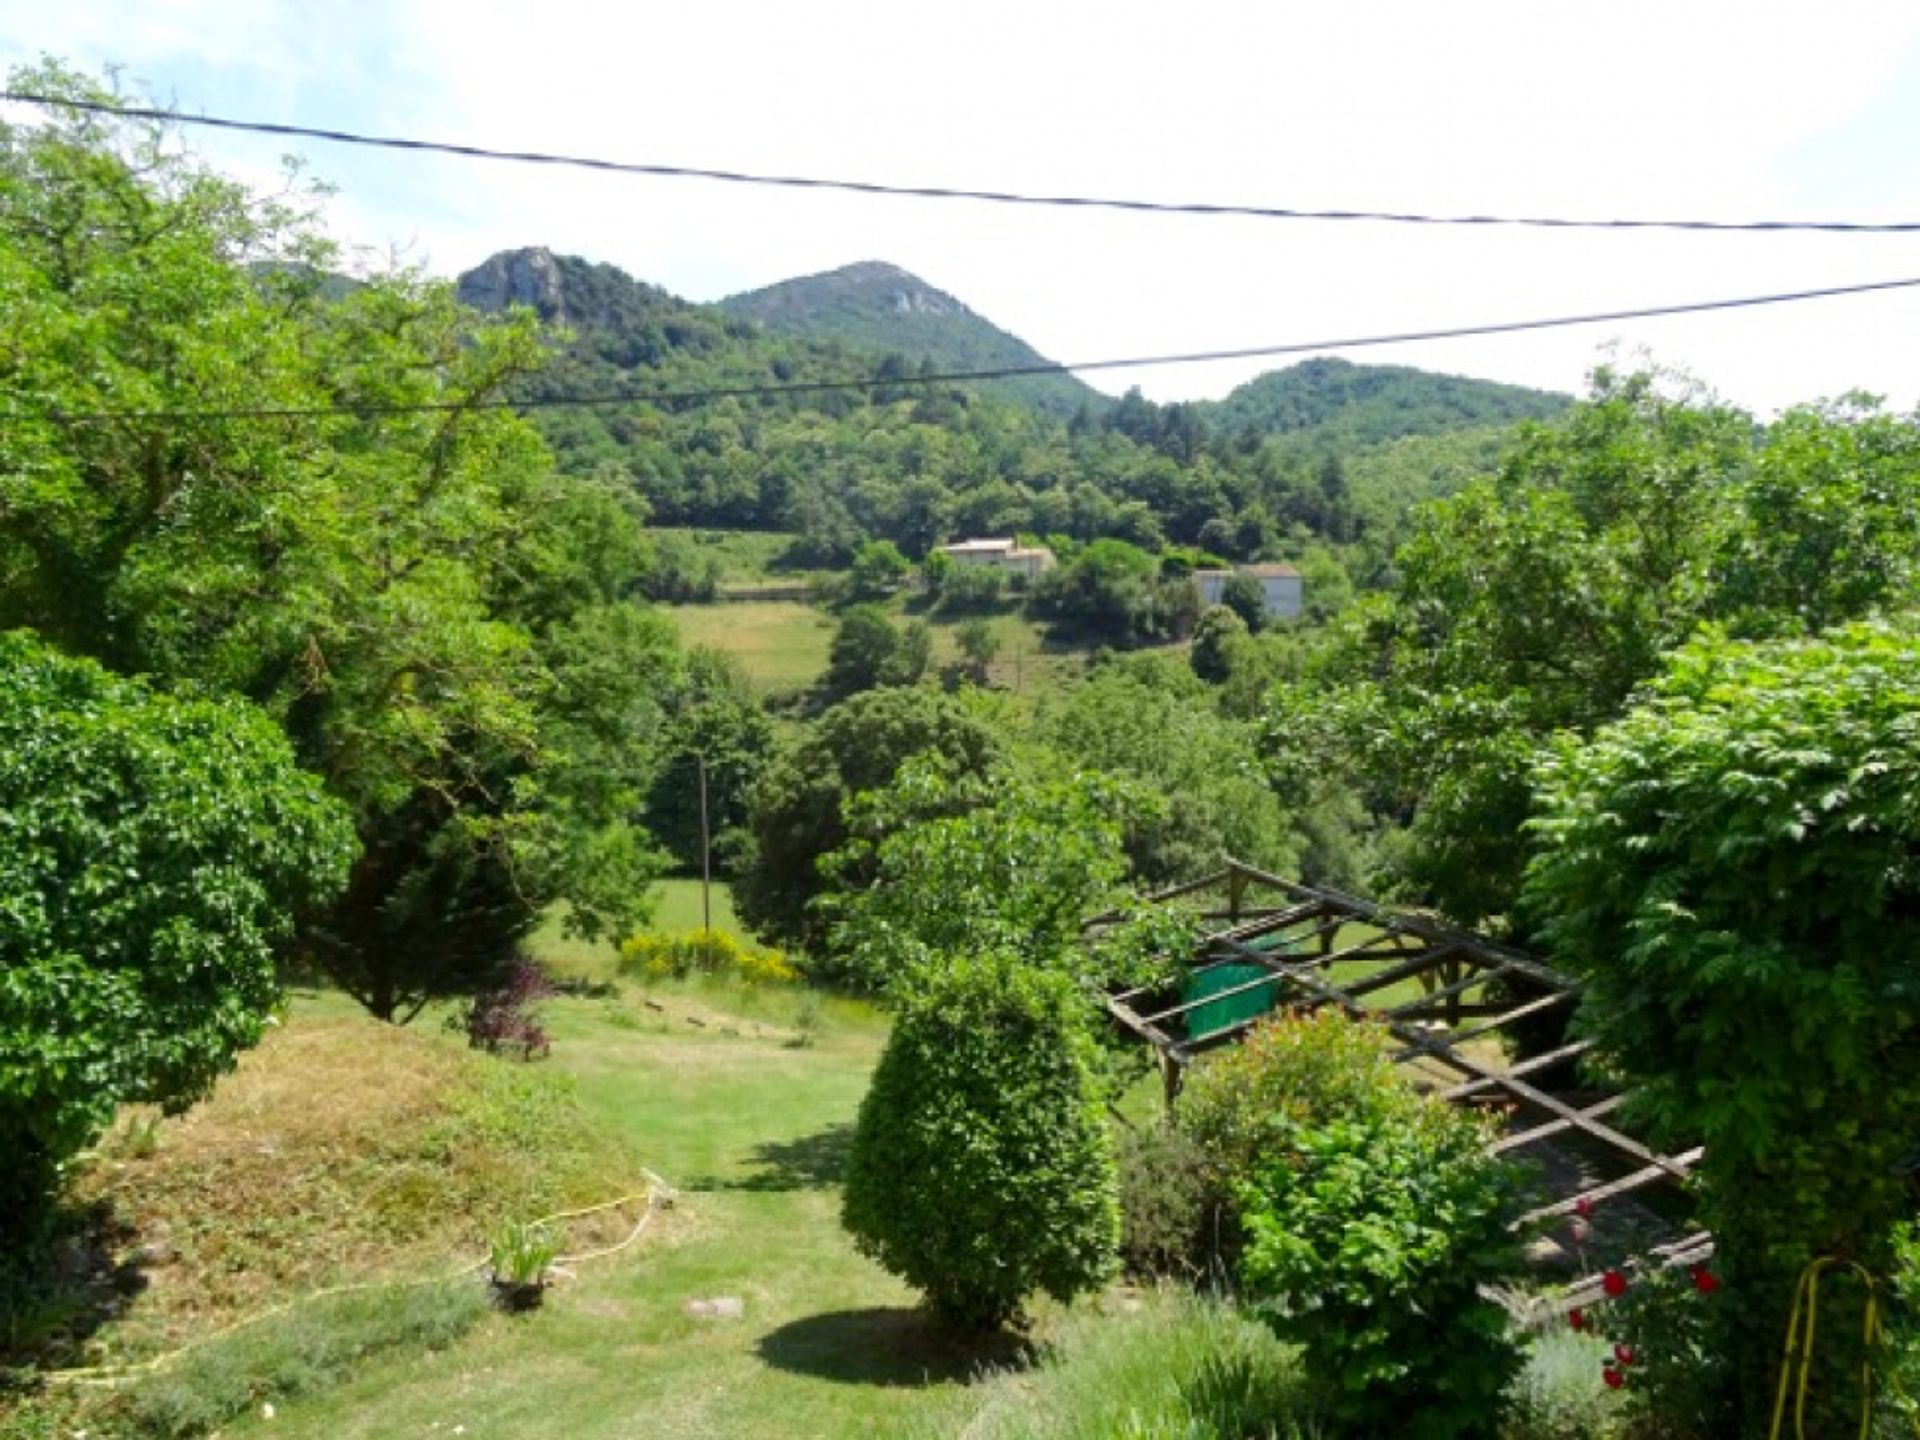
(1008, 555)
(1280, 587)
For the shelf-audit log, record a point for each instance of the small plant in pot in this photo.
(521, 1256)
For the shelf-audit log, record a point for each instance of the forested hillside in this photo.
(1333, 405)
(881, 307)
(917, 463)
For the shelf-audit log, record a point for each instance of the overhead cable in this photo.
(942, 192)
(1003, 372)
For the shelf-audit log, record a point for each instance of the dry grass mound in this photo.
(341, 1149)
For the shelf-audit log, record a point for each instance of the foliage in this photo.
(1559, 1393)
(978, 643)
(869, 650)
(981, 1169)
(1245, 597)
(312, 1348)
(971, 589)
(1167, 1214)
(711, 723)
(504, 1018)
(1735, 859)
(1244, 1105)
(1370, 1245)
(1149, 719)
(878, 570)
(158, 851)
(1540, 600)
(520, 1254)
(941, 864)
(1177, 1367)
(702, 952)
(1219, 636)
(1334, 403)
(797, 810)
(440, 622)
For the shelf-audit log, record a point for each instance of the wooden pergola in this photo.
(1449, 998)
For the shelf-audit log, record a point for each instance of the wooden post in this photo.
(706, 853)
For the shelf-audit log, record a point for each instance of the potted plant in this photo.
(521, 1255)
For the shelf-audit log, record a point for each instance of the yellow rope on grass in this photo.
(110, 1375)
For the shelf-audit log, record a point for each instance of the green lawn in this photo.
(745, 556)
(781, 644)
(752, 1129)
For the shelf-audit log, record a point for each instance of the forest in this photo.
(342, 659)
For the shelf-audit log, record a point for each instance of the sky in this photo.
(1759, 109)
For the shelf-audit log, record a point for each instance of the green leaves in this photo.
(1730, 868)
(155, 853)
(981, 1168)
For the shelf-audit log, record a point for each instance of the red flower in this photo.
(1583, 1207)
(1614, 1283)
(1613, 1378)
(1577, 1318)
(1704, 1280)
(1623, 1354)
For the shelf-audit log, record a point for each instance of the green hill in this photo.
(1337, 406)
(880, 307)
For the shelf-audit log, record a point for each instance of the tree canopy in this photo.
(158, 851)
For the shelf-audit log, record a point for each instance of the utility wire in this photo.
(939, 192)
(1004, 372)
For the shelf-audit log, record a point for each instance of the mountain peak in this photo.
(879, 306)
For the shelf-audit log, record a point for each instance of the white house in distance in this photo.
(1280, 584)
(1007, 555)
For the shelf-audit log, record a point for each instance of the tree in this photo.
(941, 863)
(979, 642)
(158, 850)
(712, 721)
(1243, 595)
(1221, 634)
(400, 578)
(1538, 601)
(878, 569)
(797, 811)
(869, 650)
(1730, 871)
(981, 1169)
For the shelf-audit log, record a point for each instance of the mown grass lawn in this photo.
(751, 1127)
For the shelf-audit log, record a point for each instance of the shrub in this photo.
(156, 851)
(1178, 1368)
(1242, 1107)
(1559, 1394)
(703, 952)
(504, 1019)
(1166, 1214)
(1730, 870)
(314, 1346)
(981, 1168)
(1370, 1245)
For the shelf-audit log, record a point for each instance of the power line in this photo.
(941, 192)
(1005, 372)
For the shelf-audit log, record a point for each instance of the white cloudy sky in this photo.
(1758, 108)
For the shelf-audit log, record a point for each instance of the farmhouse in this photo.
(1279, 584)
(1008, 555)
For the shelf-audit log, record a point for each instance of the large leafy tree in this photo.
(401, 579)
(798, 810)
(1733, 869)
(156, 852)
(1538, 600)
